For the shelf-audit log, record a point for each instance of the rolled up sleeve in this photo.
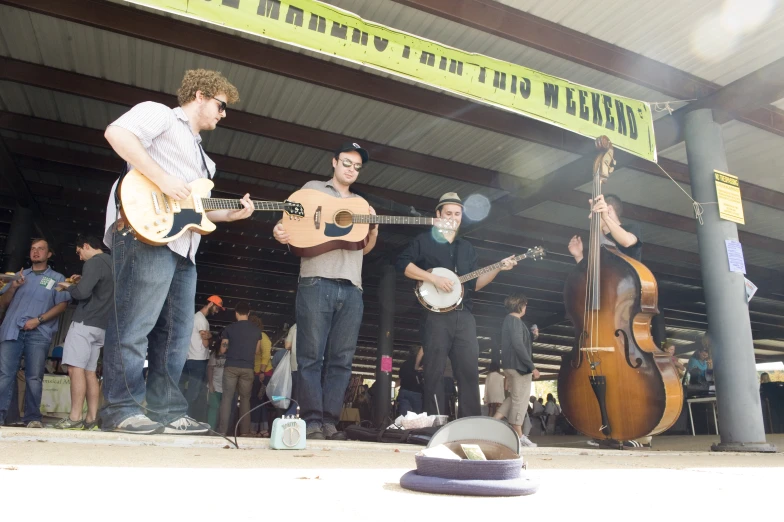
(411, 254)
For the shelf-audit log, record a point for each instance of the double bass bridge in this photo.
(598, 349)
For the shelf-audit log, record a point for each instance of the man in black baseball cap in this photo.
(351, 146)
(329, 308)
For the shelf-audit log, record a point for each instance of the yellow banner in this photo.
(323, 28)
(728, 197)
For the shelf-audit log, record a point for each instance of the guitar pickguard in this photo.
(332, 230)
(182, 219)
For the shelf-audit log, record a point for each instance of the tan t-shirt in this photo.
(337, 264)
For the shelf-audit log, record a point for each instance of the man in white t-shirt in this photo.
(193, 381)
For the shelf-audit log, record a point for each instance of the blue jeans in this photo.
(35, 347)
(329, 313)
(193, 382)
(155, 292)
(408, 400)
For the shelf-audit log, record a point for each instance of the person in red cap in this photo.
(193, 379)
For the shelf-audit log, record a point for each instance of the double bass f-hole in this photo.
(627, 350)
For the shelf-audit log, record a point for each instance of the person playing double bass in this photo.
(627, 240)
(626, 237)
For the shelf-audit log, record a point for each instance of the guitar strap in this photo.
(204, 161)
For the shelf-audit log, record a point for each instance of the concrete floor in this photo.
(158, 477)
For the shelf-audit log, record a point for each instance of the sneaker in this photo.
(633, 444)
(186, 426)
(332, 433)
(35, 424)
(68, 424)
(91, 426)
(314, 433)
(526, 442)
(140, 424)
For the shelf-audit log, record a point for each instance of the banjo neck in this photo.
(476, 273)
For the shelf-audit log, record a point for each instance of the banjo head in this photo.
(437, 300)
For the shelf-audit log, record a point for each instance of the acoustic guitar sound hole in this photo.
(343, 218)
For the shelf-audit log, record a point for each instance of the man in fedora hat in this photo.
(193, 380)
(453, 334)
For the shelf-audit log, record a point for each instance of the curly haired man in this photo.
(156, 285)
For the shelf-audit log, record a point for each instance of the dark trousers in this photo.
(452, 335)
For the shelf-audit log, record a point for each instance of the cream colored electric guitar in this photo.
(158, 219)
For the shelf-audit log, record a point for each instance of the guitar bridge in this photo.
(317, 217)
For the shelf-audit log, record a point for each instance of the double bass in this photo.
(615, 383)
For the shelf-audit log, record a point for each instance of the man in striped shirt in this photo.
(156, 285)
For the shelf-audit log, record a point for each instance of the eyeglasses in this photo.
(348, 163)
(221, 104)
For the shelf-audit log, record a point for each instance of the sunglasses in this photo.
(348, 163)
(221, 104)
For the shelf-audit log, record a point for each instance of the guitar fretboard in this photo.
(476, 273)
(234, 204)
(394, 220)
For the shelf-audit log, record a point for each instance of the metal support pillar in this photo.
(732, 347)
(382, 397)
(17, 245)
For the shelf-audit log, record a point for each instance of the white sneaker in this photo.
(185, 426)
(139, 424)
(526, 442)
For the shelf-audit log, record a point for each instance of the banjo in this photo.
(439, 301)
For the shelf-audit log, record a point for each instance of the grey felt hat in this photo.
(501, 475)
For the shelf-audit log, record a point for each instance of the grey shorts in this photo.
(83, 346)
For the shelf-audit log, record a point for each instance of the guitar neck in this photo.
(235, 204)
(496, 266)
(394, 220)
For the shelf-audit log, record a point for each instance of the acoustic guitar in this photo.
(332, 223)
(157, 219)
(438, 301)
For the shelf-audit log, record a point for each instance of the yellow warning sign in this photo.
(728, 196)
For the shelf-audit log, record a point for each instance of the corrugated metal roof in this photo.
(91, 51)
(754, 155)
(660, 193)
(690, 36)
(456, 35)
(645, 190)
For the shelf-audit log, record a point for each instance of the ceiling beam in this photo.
(94, 137)
(182, 34)
(127, 95)
(753, 92)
